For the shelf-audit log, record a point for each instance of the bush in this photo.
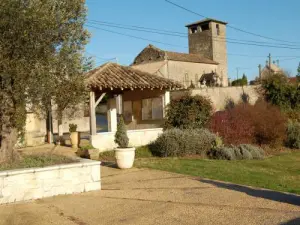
(188, 112)
(293, 135)
(234, 126)
(248, 124)
(277, 90)
(121, 138)
(229, 104)
(176, 142)
(143, 152)
(72, 127)
(241, 152)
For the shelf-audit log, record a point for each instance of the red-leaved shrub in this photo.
(245, 124)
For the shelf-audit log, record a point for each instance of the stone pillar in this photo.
(112, 115)
(166, 101)
(119, 104)
(93, 127)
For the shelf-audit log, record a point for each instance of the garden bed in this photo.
(48, 176)
(38, 160)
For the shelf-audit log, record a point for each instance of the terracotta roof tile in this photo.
(184, 57)
(112, 76)
(157, 54)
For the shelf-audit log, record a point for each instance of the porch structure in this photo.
(139, 96)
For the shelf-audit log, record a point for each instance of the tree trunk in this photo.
(9, 136)
(60, 130)
(9, 133)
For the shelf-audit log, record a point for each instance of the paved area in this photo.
(142, 196)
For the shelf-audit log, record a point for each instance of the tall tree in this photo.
(298, 73)
(41, 60)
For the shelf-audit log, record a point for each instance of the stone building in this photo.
(205, 64)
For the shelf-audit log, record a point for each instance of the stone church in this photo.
(204, 65)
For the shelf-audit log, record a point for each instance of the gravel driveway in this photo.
(143, 196)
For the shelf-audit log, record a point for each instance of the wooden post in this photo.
(119, 104)
(166, 101)
(93, 128)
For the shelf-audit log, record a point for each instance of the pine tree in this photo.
(121, 137)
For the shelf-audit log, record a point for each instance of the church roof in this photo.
(112, 76)
(152, 53)
(207, 20)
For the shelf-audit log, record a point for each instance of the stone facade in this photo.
(37, 183)
(183, 72)
(208, 38)
(36, 131)
(219, 95)
(207, 55)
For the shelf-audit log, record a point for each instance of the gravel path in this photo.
(143, 196)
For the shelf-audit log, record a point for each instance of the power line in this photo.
(232, 27)
(231, 42)
(174, 34)
(136, 37)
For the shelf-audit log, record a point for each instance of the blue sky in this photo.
(273, 18)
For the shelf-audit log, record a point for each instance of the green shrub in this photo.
(143, 152)
(229, 104)
(293, 135)
(245, 153)
(241, 152)
(256, 152)
(223, 153)
(176, 142)
(188, 112)
(121, 138)
(72, 127)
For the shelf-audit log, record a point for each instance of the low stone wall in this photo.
(29, 184)
(219, 95)
(105, 141)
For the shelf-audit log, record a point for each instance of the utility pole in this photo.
(259, 70)
(270, 60)
(237, 73)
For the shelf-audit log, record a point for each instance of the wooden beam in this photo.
(93, 127)
(99, 99)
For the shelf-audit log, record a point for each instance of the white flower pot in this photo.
(125, 157)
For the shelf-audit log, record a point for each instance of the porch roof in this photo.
(112, 76)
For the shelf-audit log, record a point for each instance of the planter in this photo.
(125, 157)
(74, 136)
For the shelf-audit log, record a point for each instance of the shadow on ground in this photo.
(109, 164)
(292, 222)
(260, 193)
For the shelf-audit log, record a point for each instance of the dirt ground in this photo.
(143, 196)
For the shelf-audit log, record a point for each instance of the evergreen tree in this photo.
(298, 73)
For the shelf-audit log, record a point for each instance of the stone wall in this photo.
(183, 72)
(105, 141)
(219, 95)
(36, 183)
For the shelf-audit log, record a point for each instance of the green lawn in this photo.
(280, 173)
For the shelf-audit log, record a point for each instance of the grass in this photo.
(38, 160)
(280, 173)
(140, 152)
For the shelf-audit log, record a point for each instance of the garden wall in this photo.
(219, 95)
(36, 183)
(105, 141)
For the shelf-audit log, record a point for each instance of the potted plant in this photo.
(74, 135)
(124, 154)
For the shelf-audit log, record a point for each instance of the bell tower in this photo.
(208, 38)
